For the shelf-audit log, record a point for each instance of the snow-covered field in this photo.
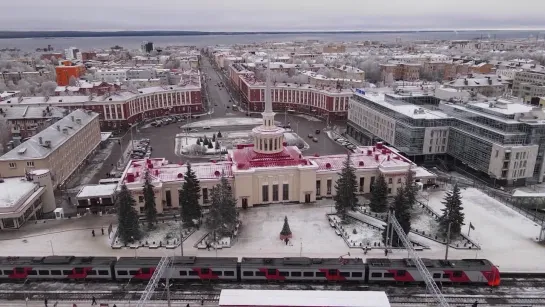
(506, 237)
(185, 142)
(364, 234)
(226, 122)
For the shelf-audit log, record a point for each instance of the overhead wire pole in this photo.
(432, 287)
(162, 267)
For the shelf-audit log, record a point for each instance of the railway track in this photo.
(159, 294)
(461, 300)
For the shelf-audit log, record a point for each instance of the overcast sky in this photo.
(282, 15)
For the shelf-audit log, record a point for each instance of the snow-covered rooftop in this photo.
(12, 190)
(476, 82)
(31, 112)
(251, 82)
(37, 147)
(244, 158)
(97, 190)
(302, 298)
(407, 109)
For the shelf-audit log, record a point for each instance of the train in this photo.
(480, 272)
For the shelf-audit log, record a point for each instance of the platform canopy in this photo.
(302, 298)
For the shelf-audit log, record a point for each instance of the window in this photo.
(205, 195)
(446, 275)
(275, 192)
(328, 186)
(30, 163)
(398, 180)
(390, 180)
(56, 272)
(357, 274)
(183, 273)
(230, 273)
(259, 273)
(345, 274)
(140, 199)
(283, 273)
(308, 274)
(218, 273)
(295, 274)
(247, 273)
(118, 273)
(457, 274)
(12, 165)
(318, 184)
(64, 272)
(332, 272)
(103, 272)
(320, 274)
(362, 182)
(265, 193)
(372, 183)
(389, 190)
(388, 275)
(285, 191)
(32, 272)
(43, 272)
(401, 272)
(377, 275)
(271, 271)
(92, 272)
(192, 273)
(133, 272)
(436, 275)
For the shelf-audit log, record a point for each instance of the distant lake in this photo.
(133, 42)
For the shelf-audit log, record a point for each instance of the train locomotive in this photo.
(290, 269)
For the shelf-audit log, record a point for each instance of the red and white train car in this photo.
(464, 271)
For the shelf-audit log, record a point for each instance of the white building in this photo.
(25, 198)
(111, 75)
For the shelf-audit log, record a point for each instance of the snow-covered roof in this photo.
(329, 90)
(350, 69)
(97, 190)
(407, 109)
(120, 96)
(302, 298)
(12, 190)
(477, 82)
(31, 112)
(34, 149)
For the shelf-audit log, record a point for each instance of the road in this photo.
(218, 96)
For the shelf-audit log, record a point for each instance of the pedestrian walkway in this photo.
(100, 304)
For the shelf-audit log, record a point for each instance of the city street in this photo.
(218, 97)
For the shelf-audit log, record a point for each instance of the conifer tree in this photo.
(346, 187)
(205, 142)
(219, 134)
(210, 145)
(198, 141)
(379, 195)
(402, 213)
(410, 189)
(452, 213)
(189, 198)
(286, 231)
(222, 217)
(214, 137)
(149, 202)
(218, 145)
(128, 227)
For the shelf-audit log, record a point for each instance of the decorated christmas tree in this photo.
(286, 231)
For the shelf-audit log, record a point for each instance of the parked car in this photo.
(206, 127)
(310, 136)
(315, 139)
(317, 131)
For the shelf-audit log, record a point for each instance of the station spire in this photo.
(268, 114)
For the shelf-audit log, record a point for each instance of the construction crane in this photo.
(431, 286)
(162, 269)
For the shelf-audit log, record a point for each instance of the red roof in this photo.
(246, 158)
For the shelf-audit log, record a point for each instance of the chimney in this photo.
(40, 140)
(65, 130)
(58, 128)
(78, 121)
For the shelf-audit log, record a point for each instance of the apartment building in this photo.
(27, 75)
(60, 148)
(491, 86)
(26, 121)
(529, 83)
(399, 71)
(65, 72)
(111, 75)
(499, 139)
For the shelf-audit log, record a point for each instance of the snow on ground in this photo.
(224, 122)
(184, 142)
(365, 235)
(309, 118)
(506, 237)
(93, 167)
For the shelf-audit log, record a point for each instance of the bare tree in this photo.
(48, 88)
(5, 135)
(72, 81)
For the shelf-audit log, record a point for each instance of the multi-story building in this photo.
(26, 121)
(491, 86)
(499, 139)
(334, 48)
(88, 88)
(147, 47)
(65, 72)
(399, 71)
(60, 148)
(27, 75)
(119, 110)
(323, 101)
(72, 53)
(529, 83)
(111, 75)
(350, 72)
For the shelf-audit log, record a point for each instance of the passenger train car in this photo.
(290, 269)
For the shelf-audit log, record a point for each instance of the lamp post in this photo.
(51, 244)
